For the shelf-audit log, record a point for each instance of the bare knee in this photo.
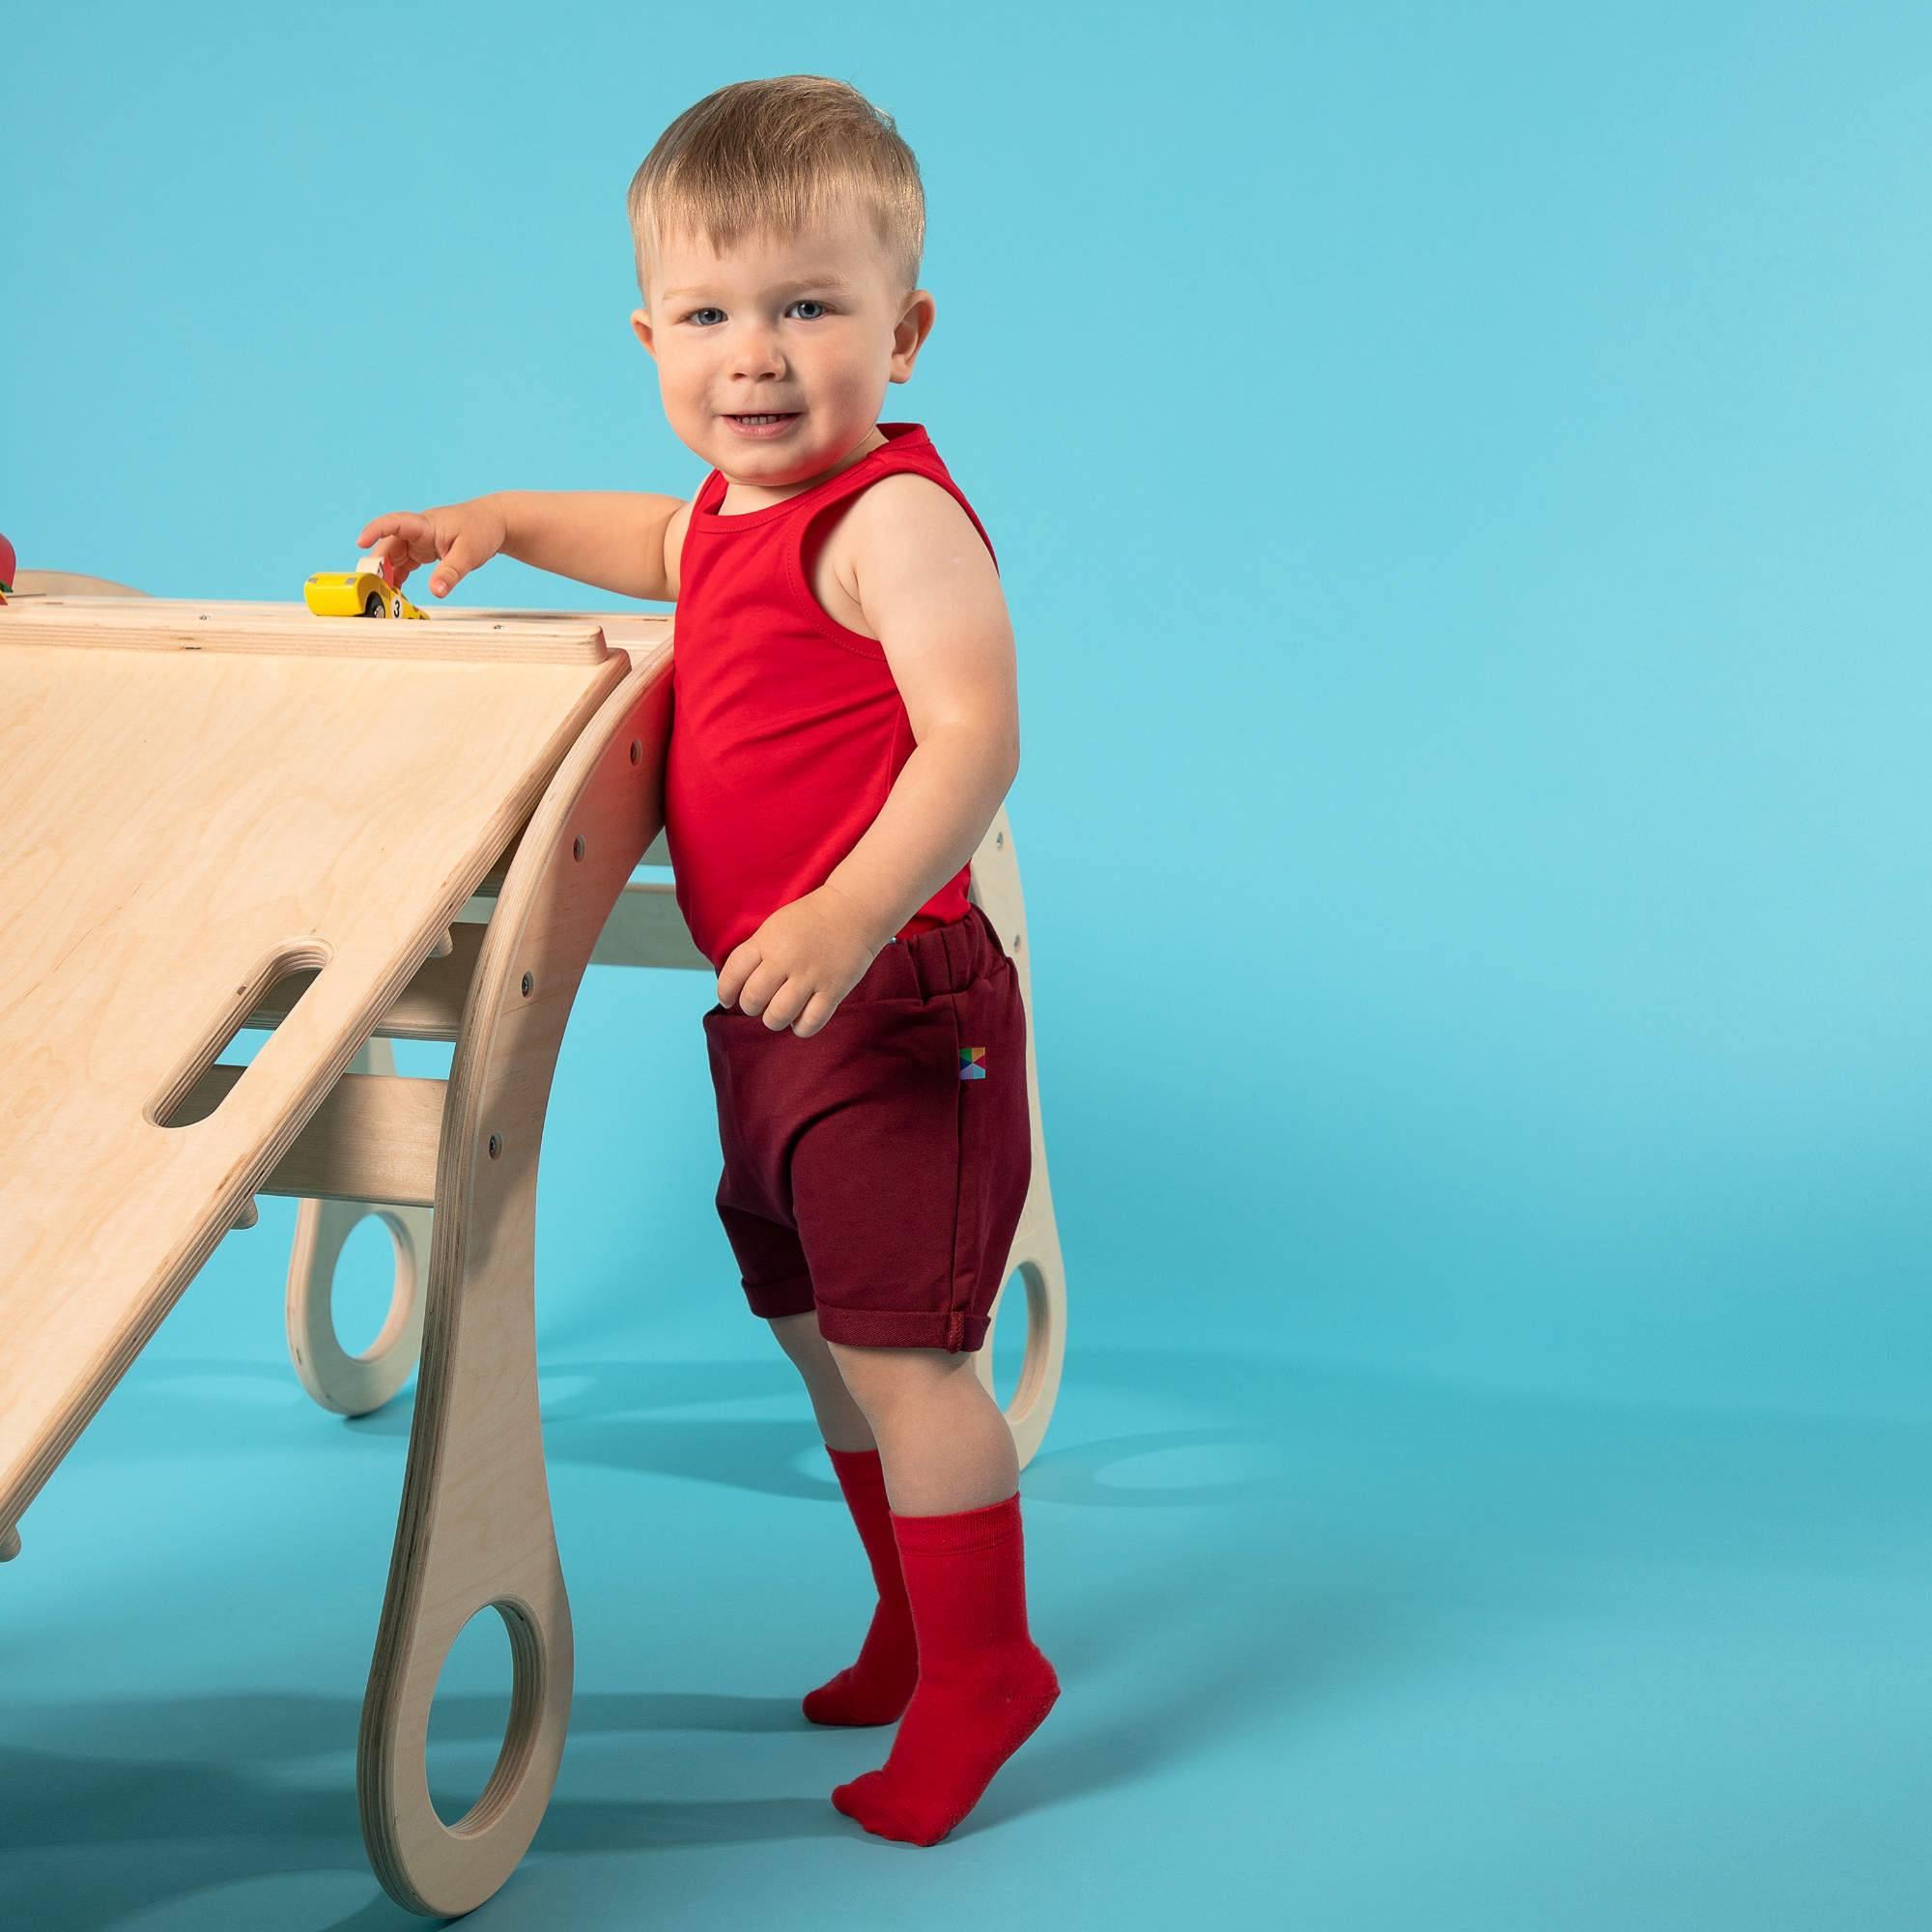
(842, 1419)
(799, 1337)
(798, 1334)
(880, 1379)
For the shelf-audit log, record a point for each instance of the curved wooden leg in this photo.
(1036, 1252)
(354, 1384)
(475, 1526)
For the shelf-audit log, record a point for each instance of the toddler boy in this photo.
(844, 726)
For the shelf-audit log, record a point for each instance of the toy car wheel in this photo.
(372, 605)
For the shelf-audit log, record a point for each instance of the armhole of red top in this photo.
(696, 505)
(691, 525)
(816, 529)
(813, 533)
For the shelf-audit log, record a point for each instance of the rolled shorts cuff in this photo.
(959, 1330)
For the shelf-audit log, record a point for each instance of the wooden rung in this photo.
(373, 1139)
(656, 853)
(428, 1007)
(645, 928)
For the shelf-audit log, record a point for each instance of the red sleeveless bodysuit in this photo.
(788, 729)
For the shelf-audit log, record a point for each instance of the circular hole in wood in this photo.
(469, 1717)
(1010, 1337)
(364, 1287)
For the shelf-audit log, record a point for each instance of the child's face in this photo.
(810, 325)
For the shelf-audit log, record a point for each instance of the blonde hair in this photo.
(775, 156)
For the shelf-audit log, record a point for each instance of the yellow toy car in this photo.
(357, 593)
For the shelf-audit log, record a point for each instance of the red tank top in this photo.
(788, 729)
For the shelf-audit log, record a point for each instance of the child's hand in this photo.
(457, 537)
(799, 963)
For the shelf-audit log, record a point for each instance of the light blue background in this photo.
(1458, 474)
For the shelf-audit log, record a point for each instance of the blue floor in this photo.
(1341, 1649)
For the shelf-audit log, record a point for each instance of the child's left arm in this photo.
(927, 586)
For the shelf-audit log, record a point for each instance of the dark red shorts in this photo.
(876, 1170)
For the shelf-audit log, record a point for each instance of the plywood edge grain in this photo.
(290, 630)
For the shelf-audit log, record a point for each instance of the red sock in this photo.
(983, 1684)
(873, 1689)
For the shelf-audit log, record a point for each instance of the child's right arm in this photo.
(616, 539)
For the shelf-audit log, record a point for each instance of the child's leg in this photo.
(944, 1443)
(983, 1686)
(841, 1422)
(876, 1687)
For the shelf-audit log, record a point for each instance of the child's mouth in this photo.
(763, 425)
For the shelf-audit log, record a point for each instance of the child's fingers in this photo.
(380, 526)
(463, 557)
(406, 540)
(390, 558)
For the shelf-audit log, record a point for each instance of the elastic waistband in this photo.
(942, 959)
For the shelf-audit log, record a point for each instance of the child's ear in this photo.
(915, 326)
(640, 321)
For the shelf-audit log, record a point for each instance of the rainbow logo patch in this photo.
(970, 1058)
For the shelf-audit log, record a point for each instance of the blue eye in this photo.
(811, 301)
